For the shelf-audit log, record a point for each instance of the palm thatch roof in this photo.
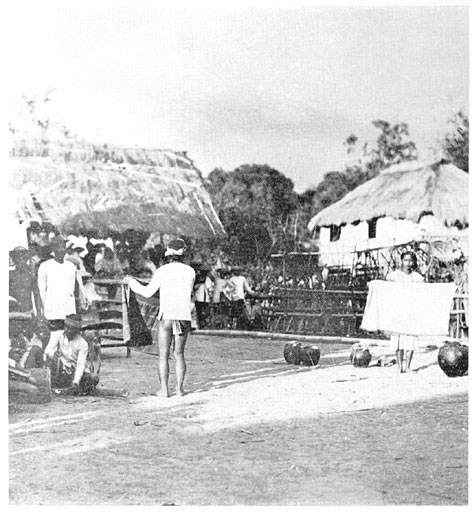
(76, 150)
(86, 188)
(405, 191)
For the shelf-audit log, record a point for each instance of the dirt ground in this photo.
(252, 431)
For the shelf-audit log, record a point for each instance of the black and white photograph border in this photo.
(291, 178)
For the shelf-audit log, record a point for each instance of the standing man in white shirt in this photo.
(175, 281)
(238, 299)
(56, 282)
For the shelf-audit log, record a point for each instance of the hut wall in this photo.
(433, 227)
(389, 232)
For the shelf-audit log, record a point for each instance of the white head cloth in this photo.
(174, 252)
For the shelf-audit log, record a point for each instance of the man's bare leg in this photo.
(164, 342)
(180, 366)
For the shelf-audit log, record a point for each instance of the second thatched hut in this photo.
(406, 202)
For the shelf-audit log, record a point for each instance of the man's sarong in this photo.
(62, 376)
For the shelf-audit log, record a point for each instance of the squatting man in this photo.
(66, 356)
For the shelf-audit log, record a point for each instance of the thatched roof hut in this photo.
(407, 191)
(85, 188)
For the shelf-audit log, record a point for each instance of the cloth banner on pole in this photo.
(140, 324)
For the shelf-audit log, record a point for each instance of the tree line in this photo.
(262, 214)
(257, 204)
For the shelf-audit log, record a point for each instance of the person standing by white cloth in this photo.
(175, 281)
(403, 344)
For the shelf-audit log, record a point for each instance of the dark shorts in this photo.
(238, 308)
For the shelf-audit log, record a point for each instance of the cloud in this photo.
(255, 115)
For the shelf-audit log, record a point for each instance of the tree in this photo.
(332, 188)
(216, 180)
(255, 204)
(393, 145)
(33, 128)
(456, 141)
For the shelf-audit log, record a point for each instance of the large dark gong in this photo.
(309, 355)
(292, 352)
(453, 359)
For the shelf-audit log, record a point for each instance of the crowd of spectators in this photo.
(226, 294)
(223, 289)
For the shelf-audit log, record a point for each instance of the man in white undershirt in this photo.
(56, 283)
(175, 281)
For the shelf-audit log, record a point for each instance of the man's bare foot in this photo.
(180, 392)
(163, 393)
(409, 370)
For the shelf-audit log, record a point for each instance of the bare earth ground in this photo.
(252, 431)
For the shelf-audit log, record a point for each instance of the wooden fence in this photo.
(304, 311)
(320, 312)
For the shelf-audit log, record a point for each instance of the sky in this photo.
(270, 85)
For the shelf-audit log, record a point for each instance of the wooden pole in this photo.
(288, 336)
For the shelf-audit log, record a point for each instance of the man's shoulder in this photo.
(189, 269)
(177, 266)
(68, 264)
(51, 262)
(46, 264)
(82, 342)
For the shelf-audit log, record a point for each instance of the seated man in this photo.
(67, 359)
